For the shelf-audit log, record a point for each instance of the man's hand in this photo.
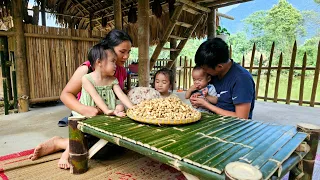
(199, 102)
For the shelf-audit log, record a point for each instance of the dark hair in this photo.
(115, 37)
(212, 52)
(98, 52)
(167, 72)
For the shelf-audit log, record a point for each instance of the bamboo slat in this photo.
(243, 61)
(276, 88)
(180, 73)
(258, 78)
(252, 57)
(316, 79)
(185, 73)
(290, 78)
(190, 72)
(303, 74)
(269, 73)
(293, 101)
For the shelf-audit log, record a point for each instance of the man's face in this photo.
(212, 71)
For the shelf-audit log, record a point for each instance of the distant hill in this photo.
(243, 10)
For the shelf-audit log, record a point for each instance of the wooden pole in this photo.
(14, 81)
(303, 74)
(276, 88)
(268, 73)
(211, 23)
(143, 41)
(258, 78)
(20, 54)
(43, 12)
(173, 45)
(4, 48)
(252, 57)
(290, 78)
(312, 140)
(78, 147)
(117, 14)
(316, 79)
(4, 83)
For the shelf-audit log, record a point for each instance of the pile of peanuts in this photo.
(164, 108)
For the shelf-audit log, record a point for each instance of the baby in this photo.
(201, 88)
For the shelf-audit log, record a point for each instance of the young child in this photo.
(100, 86)
(163, 82)
(98, 89)
(201, 87)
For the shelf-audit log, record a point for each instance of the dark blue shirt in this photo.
(236, 87)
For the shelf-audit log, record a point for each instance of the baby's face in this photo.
(200, 78)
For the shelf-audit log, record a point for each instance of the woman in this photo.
(121, 42)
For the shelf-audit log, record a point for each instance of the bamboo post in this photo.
(185, 73)
(190, 72)
(20, 54)
(290, 78)
(312, 140)
(173, 45)
(252, 57)
(258, 78)
(43, 12)
(303, 74)
(14, 81)
(316, 78)
(4, 48)
(243, 61)
(180, 72)
(211, 23)
(117, 14)
(78, 147)
(276, 88)
(143, 41)
(268, 73)
(4, 83)
(230, 52)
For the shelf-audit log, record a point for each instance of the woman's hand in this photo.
(89, 111)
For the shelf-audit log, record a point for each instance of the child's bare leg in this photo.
(63, 162)
(48, 147)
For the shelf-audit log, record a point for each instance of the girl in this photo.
(121, 42)
(163, 82)
(100, 86)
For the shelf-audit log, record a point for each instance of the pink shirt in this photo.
(121, 75)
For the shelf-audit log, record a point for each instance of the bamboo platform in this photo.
(205, 148)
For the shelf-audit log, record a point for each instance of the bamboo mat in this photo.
(128, 166)
(209, 144)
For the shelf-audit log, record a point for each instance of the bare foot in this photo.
(45, 148)
(64, 160)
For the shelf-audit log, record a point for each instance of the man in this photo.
(233, 83)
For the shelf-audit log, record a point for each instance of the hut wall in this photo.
(53, 54)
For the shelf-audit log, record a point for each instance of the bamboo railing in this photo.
(266, 71)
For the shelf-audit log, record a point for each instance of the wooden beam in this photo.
(218, 2)
(143, 42)
(194, 5)
(117, 14)
(211, 23)
(43, 12)
(225, 16)
(230, 3)
(20, 57)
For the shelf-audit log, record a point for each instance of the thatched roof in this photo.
(77, 14)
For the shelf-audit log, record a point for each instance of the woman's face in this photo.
(123, 52)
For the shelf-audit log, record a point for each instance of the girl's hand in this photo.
(109, 112)
(119, 113)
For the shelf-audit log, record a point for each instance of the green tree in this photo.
(240, 45)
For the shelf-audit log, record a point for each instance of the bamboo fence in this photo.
(53, 54)
(266, 69)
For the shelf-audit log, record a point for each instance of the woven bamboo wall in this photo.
(53, 54)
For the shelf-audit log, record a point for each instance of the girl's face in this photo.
(108, 65)
(123, 52)
(162, 83)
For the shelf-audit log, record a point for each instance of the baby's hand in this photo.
(205, 91)
(119, 113)
(195, 95)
